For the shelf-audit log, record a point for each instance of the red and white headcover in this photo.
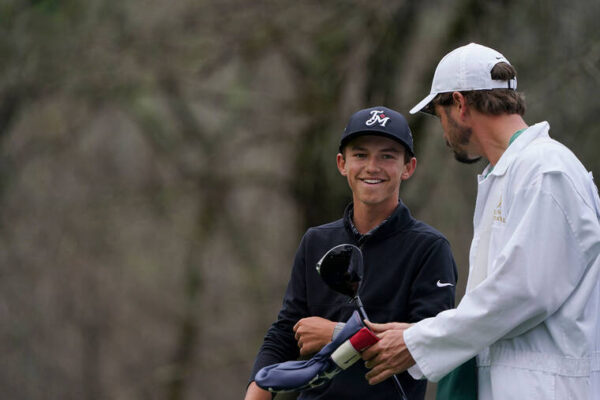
(349, 351)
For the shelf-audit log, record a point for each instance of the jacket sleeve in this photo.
(433, 288)
(279, 343)
(550, 238)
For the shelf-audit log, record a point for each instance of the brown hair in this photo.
(495, 101)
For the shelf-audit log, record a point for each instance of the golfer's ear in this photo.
(409, 168)
(341, 164)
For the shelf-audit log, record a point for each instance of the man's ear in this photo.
(409, 169)
(341, 164)
(461, 104)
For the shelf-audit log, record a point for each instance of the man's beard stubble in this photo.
(464, 158)
(464, 135)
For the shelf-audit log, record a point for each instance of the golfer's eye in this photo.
(360, 155)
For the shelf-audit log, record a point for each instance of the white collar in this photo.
(529, 135)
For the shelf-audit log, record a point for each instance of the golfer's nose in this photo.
(372, 164)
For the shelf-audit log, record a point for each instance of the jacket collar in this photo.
(529, 135)
(397, 221)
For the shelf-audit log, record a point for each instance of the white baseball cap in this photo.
(466, 68)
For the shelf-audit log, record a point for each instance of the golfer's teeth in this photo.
(372, 180)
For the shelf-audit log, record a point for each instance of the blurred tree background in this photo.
(159, 162)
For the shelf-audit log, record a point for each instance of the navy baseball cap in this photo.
(378, 121)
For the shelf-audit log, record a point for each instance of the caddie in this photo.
(531, 313)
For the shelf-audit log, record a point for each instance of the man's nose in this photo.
(372, 164)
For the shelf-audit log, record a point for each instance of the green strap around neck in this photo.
(516, 135)
(512, 139)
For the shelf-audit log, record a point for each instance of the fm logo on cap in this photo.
(377, 117)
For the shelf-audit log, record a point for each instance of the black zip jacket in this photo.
(405, 260)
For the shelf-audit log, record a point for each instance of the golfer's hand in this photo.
(256, 393)
(389, 356)
(312, 334)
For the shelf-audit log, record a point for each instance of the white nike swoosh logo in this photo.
(440, 284)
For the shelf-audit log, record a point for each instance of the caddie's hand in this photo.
(390, 355)
(312, 334)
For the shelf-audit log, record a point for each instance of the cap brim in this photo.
(375, 132)
(422, 103)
